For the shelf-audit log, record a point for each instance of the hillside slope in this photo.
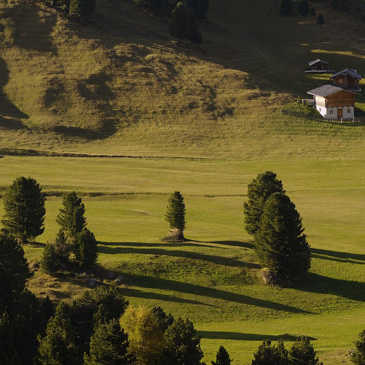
(120, 84)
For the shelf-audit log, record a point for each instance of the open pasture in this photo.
(213, 278)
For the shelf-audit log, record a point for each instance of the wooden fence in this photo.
(356, 120)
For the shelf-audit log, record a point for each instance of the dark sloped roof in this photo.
(347, 71)
(311, 63)
(325, 90)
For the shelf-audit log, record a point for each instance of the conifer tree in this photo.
(182, 344)
(357, 355)
(258, 191)
(51, 261)
(75, 9)
(200, 7)
(164, 320)
(286, 7)
(268, 354)
(280, 243)
(302, 353)
(86, 249)
(24, 209)
(222, 357)
(183, 24)
(71, 218)
(175, 213)
(109, 345)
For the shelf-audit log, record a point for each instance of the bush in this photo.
(357, 355)
(86, 249)
(51, 262)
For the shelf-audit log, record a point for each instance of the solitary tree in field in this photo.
(175, 213)
(357, 355)
(302, 353)
(286, 7)
(71, 218)
(24, 209)
(183, 24)
(258, 191)
(281, 245)
(222, 357)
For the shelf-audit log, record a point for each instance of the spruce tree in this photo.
(175, 213)
(14, 270)
(222, 357)
(86, 249)
(258, 191)
(183, 24)
(182, 344)
(286, 7)
(71, 218)
(303, 7)
(302, 353)
(109, 345)
(281, 245)
(268, 354)
(24, 209)
(164, 320)
(357, 355)
(51, 262)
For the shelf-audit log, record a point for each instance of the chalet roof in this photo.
(311, 63)
(347, 71)
(325, 90)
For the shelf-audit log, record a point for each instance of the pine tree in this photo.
(183, 24)
(320, 19)
(51, 262)
(258, 191)
(175, 213)
(267, 354)
(71, 217)
(286, 7)
(182, 344)
(302, 353)
(222, 357)
(164, 320)
(303, 7)
(145, 334)
(109, 345)
(14, 270)
(357, 355)
(86, 249)
(280, 243)
(24, 209)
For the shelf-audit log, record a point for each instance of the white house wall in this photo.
(348, 112)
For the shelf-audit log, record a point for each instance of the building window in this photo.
(331, 111)
(348, 110)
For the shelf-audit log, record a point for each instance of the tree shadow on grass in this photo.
(320, 284)
(234, 243)
(187, 243)
(219, 260)
(176, 286)
(238, 336)
(338, 256)
(129, 292)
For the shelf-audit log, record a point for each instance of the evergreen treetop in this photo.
(175, 213)
(280, 242)
(302, 353)
(24, 205)
(222, 357)
(357, 355)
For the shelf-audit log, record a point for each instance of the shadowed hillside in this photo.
(120, 79)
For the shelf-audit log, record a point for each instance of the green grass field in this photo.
(213, 278)
(210, 115)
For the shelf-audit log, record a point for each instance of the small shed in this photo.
(334, 102)
(319, 66)
(347, 79)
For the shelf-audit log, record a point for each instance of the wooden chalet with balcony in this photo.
(334, 102)
(319, 66)
(347, 79)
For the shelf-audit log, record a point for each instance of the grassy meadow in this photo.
(213, 278)
(204, 120)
